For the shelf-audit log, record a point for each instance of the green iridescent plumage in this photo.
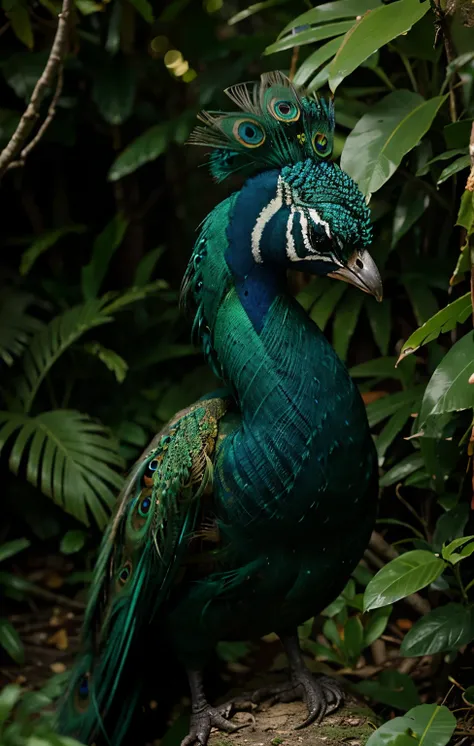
(248, 513)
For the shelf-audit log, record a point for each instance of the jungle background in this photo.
(98, 220)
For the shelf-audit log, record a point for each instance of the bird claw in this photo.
(322, 695)
(210, 717)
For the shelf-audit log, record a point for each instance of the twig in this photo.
(53, 68)
(55, 598)
(443, 28)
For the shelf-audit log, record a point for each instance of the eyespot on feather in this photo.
(124, 574)
(81, 695)
(248, 133)
(284, 111)
(321, 144)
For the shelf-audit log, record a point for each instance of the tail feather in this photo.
(140, 554)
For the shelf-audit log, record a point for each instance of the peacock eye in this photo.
(284, 111)
(84, 687)
(321, 144)
(249, 133)
(124, 573)
(144, 507)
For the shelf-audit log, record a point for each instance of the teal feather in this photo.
(252, 507)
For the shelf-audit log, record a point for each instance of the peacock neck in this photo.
(287, 379)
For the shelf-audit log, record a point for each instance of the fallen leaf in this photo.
(57, 667)
(404, 624)
(60, 639)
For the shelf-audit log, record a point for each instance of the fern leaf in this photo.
(16, 325)
(71, 458)
(47, 346)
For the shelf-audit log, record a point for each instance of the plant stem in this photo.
(409, 69)
(457, 574)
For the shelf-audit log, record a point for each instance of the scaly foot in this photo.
(209, 717)
(322, 695)
(204, 716)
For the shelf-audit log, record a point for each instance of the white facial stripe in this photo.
(304, 233)
(319, 221)
(290, 241)
(265, 216)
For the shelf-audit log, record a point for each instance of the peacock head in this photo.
(311, 215)
(325, 223)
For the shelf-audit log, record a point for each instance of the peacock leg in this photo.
(321, 694)
(204, 716)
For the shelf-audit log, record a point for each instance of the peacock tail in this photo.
(138, 560)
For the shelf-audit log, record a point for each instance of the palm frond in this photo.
(67, 455)
(65, 329)
(47, 346)
(16, 324)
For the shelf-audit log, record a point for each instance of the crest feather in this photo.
(278, 125)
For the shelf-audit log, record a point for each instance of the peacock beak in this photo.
(362, 272)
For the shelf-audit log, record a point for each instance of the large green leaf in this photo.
(16, 324)
(449, 389)
(310, 35)
(403, 469)
(105, 245)
(331, 12)
(72, 541)
(443, 321)
(422, 299)
(9, 696)
(391, 688)
(114, 89)
(424, 725)
(459, 165)
(11, 642)
(401, 577)
(242, 15)
(388, 405)
(324, 307)
(145, 9)
(17, 14)
(444, 629)
(375, 28)
(392, 429)
(69, 456)
(10, 548)
(315, 60)
(389, 130)
(380, 320)
(146, 147)
(345, 322)
(411, 205)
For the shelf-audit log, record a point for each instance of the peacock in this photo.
(248, 512)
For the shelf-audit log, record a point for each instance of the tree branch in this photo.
(53, 68)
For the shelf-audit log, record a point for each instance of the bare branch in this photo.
(25, 125)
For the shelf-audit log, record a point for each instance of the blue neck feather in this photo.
(257, 285)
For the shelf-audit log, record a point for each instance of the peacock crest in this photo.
(278, 125)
